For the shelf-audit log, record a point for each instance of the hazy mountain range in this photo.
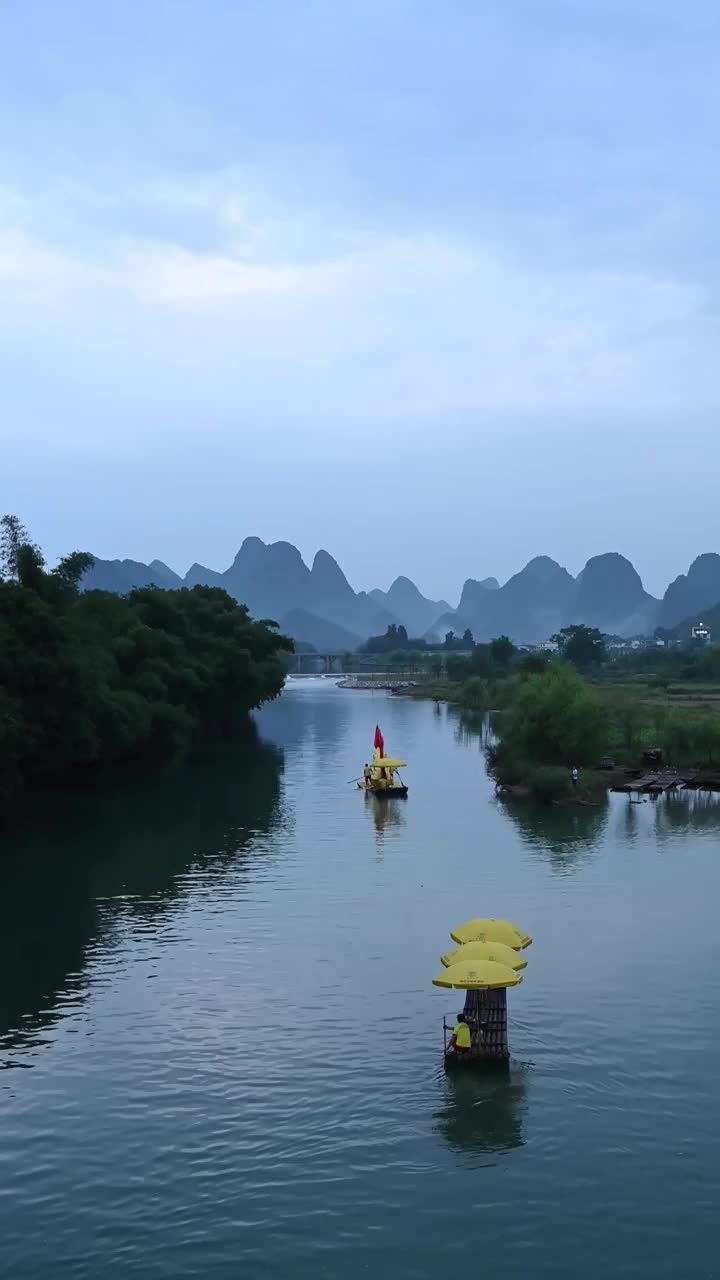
(319, 606)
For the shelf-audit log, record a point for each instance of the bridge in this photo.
(305, 664)
(327, 663)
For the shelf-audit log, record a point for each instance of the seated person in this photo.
(461, 1038)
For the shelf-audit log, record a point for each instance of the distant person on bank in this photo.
(574, 776)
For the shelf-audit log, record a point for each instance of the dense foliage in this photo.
(583, 646)
(94, 679)
(555, 718)
(694, 661)
(396, 638)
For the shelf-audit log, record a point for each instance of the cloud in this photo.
(30, 266)
(424, 322)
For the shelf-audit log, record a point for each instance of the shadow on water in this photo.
(482, 1110)
(90, 859)
(562, 835)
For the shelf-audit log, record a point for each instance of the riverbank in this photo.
(552, 721)
(376, 684)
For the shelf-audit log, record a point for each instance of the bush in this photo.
(474, 694)
(508, 770)
(554, 718)
(456, 668)
(691, 737)
(549, 784)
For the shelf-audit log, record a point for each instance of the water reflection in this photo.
(471, 728)
(63, 891)
(687, 811)
(386, 814)
(482, 1111)
(562, 835)
(667, 815)
(310, 710)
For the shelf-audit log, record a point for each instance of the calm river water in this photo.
(222, 1050)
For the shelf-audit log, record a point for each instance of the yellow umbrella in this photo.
(477, 975)
(386, 763)
(491, 931)
(477, 952)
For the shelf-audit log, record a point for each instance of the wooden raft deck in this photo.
(660, 780)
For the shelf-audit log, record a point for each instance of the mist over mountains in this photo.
(319, 606)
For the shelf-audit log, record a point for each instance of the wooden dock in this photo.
(639, 784)
(661, 780)
(664, 781)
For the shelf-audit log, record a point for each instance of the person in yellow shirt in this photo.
(461, 1038)
(367, 775)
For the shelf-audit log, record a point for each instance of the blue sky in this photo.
(291, 268)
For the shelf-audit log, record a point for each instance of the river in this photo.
(221, 1048)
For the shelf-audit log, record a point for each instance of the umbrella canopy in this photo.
(477, 975)
(492, 931)
(385, 762)
(478, 952)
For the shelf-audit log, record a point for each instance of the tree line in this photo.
(396, 638)
(91, 680)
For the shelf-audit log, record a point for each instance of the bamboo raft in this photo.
(397, 790)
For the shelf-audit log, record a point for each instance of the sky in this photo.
(433, 286)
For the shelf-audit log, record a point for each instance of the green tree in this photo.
(72, 569)
(629, 723)
(554, 718)
(502, 651)
(711, 663)
(690, 737)
(583, 646)
(13, 536)
(392, 639)
(457, 667)
(467, 639)
(449, 642)
(534, 664)
(481, 661)
(476, 694)
(90, 678)
(29, 566)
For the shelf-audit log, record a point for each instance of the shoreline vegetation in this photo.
(92, 682)
(579, 707)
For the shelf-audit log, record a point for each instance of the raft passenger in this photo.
(461, 1038)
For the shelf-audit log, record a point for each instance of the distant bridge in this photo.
(316, 663)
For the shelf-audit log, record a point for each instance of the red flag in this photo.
(379, 740)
